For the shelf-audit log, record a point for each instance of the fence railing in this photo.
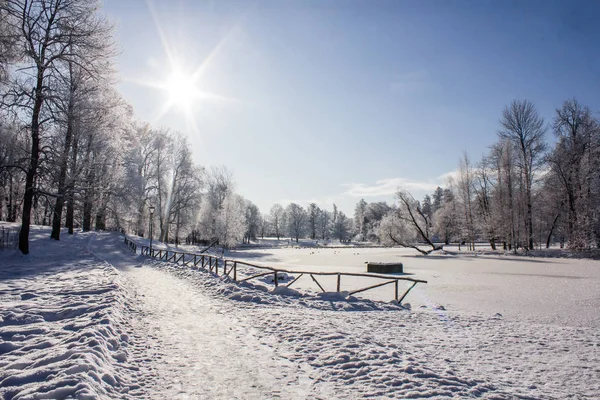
(9, 237)
(131, 244)
(230, 269)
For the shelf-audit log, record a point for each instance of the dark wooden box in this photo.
(385, 268)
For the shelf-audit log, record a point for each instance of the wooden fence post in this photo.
(338, 282)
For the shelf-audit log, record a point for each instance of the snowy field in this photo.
(86, 318)
(547, 290)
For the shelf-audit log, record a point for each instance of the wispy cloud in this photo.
(386, 187)
(448, 175)
(389, 186)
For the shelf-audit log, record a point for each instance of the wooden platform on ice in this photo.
(385, 268)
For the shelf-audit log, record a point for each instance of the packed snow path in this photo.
(197, 348)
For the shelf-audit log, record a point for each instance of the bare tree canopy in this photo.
(525, 130)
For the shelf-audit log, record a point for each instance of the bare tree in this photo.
(525, 130)
(297, 218)
(253, 221)
(465, 194)
(360, 219)
(575, 162)
(313, 213)
(409, 222)
(49, 33)
(342, 227)
(276, 217)
(323, 224)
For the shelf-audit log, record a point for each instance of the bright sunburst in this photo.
(182, 85)
(182, 89)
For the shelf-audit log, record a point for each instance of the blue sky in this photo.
(331, 101)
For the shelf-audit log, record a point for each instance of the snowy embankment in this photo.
(64, 329)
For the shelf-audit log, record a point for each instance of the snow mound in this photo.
(333, 296)
(61, 326)
(281, 277)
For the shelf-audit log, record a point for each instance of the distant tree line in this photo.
(522, 194)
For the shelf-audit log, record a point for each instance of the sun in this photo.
(182, 89)
(183, 85)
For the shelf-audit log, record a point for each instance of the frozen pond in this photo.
(548, 290)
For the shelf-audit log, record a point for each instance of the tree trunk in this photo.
(70, 220)
(11, 208)
(87, 214)
(62, 178)
(33, 165)
(70, 217)
(101, 220)
(549, 237)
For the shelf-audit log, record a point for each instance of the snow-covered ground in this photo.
(86, 317)
(547, 290)
(64, 324)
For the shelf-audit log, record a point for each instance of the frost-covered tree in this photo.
(253, 221)
(524, 129)
(342, 227)
(313, 215)
(231, 220)
(465, 192)
(394, 230)
(575, 162)
(297, 220)
(446, 224)
(360, 219)
(276, 219)
(48, 35)
(219, 184)
(408, 216)
(324, 224)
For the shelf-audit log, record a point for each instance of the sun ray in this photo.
(198, 73)
(183, 84)
(161, 33)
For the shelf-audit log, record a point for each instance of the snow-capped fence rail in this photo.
(230, 269)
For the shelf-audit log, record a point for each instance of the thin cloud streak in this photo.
(389, 187)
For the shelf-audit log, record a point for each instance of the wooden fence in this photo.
(230, 269)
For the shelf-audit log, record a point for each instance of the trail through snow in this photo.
(199, 347)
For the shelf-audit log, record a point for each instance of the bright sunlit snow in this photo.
(89, 319)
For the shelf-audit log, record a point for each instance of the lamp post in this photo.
(151, 209)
